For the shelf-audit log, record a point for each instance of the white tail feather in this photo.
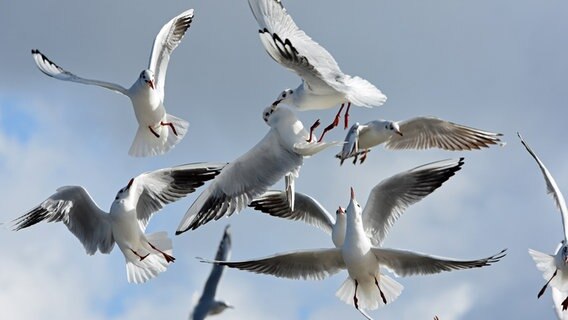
(368, 294)
(146, 144)
(140, 271)
(363, 93)
(307, 149)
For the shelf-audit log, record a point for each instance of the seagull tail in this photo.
(160, 139)
(368, 295)
(546, 264)
(141, 270)
(363, 93)
(308, 149)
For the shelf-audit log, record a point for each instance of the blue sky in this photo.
(495, 65)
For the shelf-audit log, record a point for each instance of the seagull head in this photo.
(124, 193)
(285, 96)
(340, 212)
(353, 208)
(147, 77)
(393, 127)
(564, 252)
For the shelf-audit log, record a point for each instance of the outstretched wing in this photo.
(74, 207)
(551, 187)
(223, 253)
(51, 69)
(388, 199)
(309, 264)
(163, 186)
(430, 132)
(408, 263)
(166, 41)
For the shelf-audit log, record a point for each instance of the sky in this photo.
(494, 65)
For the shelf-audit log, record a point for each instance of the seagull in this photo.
(415, 133)
(323, 85)
(365, 287)
(280, 153)
(146, 255)
(554, 267)
(158, 131)
(207, 305)
(386, 203)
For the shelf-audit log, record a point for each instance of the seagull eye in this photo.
(284, 95)
(266, 114)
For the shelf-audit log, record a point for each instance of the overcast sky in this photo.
(495, 65)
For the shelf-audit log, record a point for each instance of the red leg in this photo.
(139, 256)
(333, 124)
(364, 157)
(312, 128)
(166, 256)
(153, 132)
(171, 125)
(565, 304)
(346, 118)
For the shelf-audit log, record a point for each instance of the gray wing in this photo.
(291, 47)
(388, 199)
(241, 181)
(160, 187)
(429, 132)
(309, 264)
(551, 187)
(223, 253)
(307, 209)
(51, 69)
(166, 41)
(73, 206)
(408, 263)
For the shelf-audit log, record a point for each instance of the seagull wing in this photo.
(408, 263)
(429, 132)
(241, 181)
(310, 264)
(166, 41)
(223, 253)
(51, 69)
(73, 206)
(163, 186)
(306, 209)
(388, 199)
(551, 187)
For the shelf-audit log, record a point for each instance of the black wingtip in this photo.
(180, 232)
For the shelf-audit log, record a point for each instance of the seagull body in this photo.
(323, 84)
(366, 287)
(207, 305)
(146, 255)
(158, 131)
(386, 202)
(416, 133)
(554, 267)
(558, 297)
(280, 153)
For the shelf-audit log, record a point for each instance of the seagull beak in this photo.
(398, 132)
(340, 210)
(151, 84)
(352, 194)
(566, 260)
(129, 183)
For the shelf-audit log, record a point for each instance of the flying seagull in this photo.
(158, 131)
(554, 267)
(280, 153)
(323, 85)
(415, 133)
(365, 287)
(207, 305)
(146, 255)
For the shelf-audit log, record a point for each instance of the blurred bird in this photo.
(207, 305)
(280, 153)
(415, 133)
(386, 203)
(147, 92)
(146, 255)
(323, 85)
(365, 287)
(554, 267)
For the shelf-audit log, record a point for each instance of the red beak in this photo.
(151, 84)
(352, 193)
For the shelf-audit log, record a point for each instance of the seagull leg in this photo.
(312, 128)
(171, 125)
(139, 256)
(381, 291)
(333, 124)
(154, 132)
(166, 256)
(355, 300)
(346, 117)
(565, 304)
(541, 292)
(364, 157)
